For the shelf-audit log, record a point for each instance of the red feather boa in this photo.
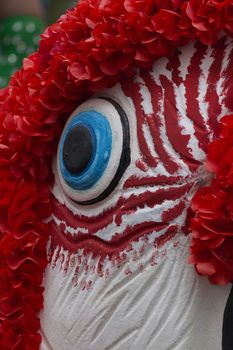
(92, 47)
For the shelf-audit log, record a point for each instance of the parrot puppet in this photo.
(115, 166)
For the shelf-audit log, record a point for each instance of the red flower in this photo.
(30, 203)
(212, 233)
(172, 25)
(220, 154)
(151, 6)
(208, 17)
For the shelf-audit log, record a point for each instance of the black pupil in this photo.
(77, 149)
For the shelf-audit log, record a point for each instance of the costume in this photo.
(104, 132)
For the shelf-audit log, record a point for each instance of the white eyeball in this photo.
(94, 151)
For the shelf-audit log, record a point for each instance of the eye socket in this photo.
(94, 151)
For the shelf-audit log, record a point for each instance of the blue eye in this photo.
(94, 151)
(85, 149)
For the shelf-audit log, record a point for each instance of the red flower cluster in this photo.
(212, 228)
(23, 238)
(91, 47)
(210, 17)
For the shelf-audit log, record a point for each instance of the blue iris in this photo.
(100, 135)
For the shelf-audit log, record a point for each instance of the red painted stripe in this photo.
(132, 90)
(212, 97)
(93, 223)
(178, 141)
(191, 84)
(174, 212)
(151, 199)
(134, 181)
(99, 247)
(155, 123)
(173, 66)
(167, 236)
(228, 83)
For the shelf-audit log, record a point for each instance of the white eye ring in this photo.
(120, 152)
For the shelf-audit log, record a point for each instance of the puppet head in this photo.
(104, 136)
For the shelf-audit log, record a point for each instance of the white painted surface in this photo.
(143, 304)
(167, 307)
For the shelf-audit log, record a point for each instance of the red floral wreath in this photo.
(212, 228)
(92, 47)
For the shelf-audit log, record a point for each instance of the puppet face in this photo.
(118, 274)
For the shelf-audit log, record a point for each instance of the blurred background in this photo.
(54, 8)
(21, 24)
